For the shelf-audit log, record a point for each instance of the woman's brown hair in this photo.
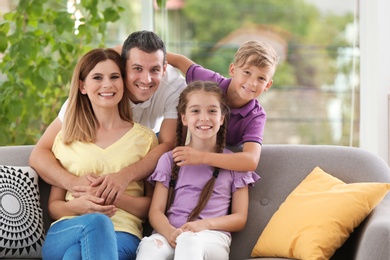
(80, 122)
(210, 88)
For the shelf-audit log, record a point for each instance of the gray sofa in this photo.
(282, 168)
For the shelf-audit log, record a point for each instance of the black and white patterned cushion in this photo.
(21, 224)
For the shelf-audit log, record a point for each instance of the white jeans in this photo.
(203, 245)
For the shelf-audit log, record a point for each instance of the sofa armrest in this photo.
(374, 237)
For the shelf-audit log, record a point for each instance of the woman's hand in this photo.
(91, 204)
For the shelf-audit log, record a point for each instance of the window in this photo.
(315, 95)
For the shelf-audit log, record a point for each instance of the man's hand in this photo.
(84, 187)
(111, 187)
(185, 155)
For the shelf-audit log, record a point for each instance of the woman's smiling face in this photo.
(104, 84)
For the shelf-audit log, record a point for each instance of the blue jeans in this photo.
(90, 236)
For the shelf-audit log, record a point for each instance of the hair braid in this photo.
(180, 140)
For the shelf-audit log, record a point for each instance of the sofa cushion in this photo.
(317, 217)
(21, 232)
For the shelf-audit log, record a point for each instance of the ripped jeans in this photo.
(203, 245)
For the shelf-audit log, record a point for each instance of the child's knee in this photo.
(188, 244)
(153, 248)
(151, 242)
(186, 238)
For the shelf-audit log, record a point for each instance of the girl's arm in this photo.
(138, 206)
(157, 217)
(231, 223)
(58, 207)
(247, 160)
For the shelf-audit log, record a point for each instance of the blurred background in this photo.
(315, 98)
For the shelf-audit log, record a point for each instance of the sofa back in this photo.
(283, 167)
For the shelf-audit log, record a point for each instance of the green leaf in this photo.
(3, 42)
(161, 3)
(111, 15)
(5, 26)
(39, 56)
(46, 72)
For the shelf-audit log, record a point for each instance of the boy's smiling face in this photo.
(248, 82)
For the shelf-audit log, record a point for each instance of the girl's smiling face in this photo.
(203, 115)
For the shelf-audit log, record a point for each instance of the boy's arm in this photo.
(179, 61)
(113, 185)
(247, 160)
(44, 162)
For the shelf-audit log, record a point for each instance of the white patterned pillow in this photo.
(21, 224)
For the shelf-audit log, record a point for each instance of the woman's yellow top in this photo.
(82, 158)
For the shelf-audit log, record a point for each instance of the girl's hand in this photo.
(185, 155)
(91, 204)
(196, 226)
(172, 238)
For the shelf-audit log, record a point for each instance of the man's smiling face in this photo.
(143, 73)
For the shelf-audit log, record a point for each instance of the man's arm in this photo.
(247, 160)
(179, 61)
(44, 162)
(139, 170)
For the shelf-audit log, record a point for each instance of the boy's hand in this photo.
(185, 155)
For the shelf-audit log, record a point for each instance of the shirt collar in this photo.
(245, 110)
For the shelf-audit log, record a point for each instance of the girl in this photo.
(190, 210)
(99, 137)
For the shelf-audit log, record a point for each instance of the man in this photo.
(155, 88)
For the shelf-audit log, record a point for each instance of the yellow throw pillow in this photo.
(318, 217)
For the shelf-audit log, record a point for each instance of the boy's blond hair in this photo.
(259, 54)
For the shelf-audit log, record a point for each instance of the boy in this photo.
(250, 75)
